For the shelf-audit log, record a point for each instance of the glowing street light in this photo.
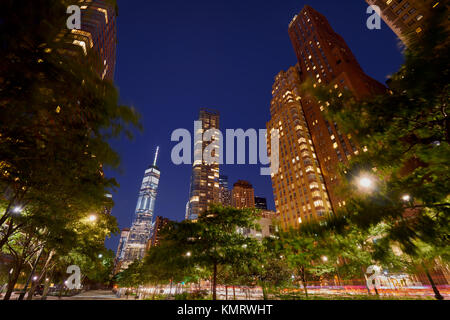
(188, 254)
(100, 256)
(17, 209)
(324, 258)
(365, 182)
(406, 198)
(92, 218)
(35, 278)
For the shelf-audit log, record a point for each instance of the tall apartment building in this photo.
(243, 195)
(141, 229)
(224, 191)
(158, 225)
(299, 187)
(98, 32)
(324, 57)
(405, 17)
(204, 187)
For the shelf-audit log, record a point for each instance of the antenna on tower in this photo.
(156, 156)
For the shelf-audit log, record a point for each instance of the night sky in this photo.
(175, 57)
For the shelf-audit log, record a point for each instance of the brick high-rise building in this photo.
(158, 225)
(98, 32)
(204, 188)
(299, 188)
(324, 57)
(405, 17)
(243, 195)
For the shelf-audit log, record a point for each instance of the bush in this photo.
(182, 296)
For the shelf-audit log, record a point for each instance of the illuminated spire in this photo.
(156, 156)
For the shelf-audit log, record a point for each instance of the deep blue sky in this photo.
(176, 56)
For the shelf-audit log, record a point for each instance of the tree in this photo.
(271, 268)
(57, 118)
(302, 254)
(404, 138)
(214, 239)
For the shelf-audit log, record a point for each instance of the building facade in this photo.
(120, 253)
(243, 195)
(405, 17)
(158, 225)
(224, 191)
(268, 222)
(325, 58)
(260, 203)
(122, 242)
(204, 186)
(99, 32)
(299, 187)
(141, 228)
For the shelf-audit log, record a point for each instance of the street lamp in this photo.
(365, 182)
(92, 218)
(35, 278)
(188, 254)
(324, 258)
(100, 256)
(406, 197)
(17, 209)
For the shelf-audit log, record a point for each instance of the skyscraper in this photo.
(204, 187)
(405, 17)
(243, 195)
(158, 225)
(98, 31)
(224, 191)
(261, 203)
(324, 57)
(140, 231)
(121, 249)
(299, 189)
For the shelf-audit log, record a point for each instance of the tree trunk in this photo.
(154, 292)
(46, 289)
(437, 294)
(5, 215)
(226, 292)
(30, 276)
(303, 275)
(264, 291)
(234, 292)
(365, 282)
(12, 283)
(41, 276)
(215, 282)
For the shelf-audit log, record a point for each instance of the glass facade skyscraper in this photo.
(141, 229)
(204, 188)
